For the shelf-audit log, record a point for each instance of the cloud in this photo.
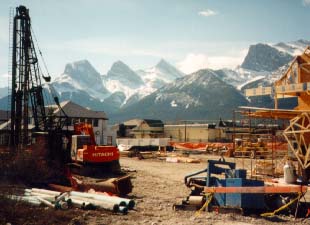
(193, 62)
(209, 12)
(306, 2)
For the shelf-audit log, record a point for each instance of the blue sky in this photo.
(190, 34)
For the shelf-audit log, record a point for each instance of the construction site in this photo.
(55, 172)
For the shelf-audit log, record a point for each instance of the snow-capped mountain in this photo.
(201, 95)
(162, 73)
(263, 57)
(120, 87)
(80, 76)
(125, 93)
(239, 76)
(292, 48)
(265, 63)
(121, 78)
(124, 75)
(136, 85)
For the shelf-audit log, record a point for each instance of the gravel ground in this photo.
(158, 185)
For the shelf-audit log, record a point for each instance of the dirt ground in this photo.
(157, 186)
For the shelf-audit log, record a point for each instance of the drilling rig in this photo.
(26, 82)
(27, 101)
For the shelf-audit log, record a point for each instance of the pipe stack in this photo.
(58, 200)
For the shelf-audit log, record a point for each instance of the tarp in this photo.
(200, 145)
(276, 146)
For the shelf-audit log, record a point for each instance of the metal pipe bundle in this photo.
(129, 203)
(97, 203)
(82, 200)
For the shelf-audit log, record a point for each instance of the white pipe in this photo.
(116, 200)
(61, 197)
(102, 201)
(45, 202)
(44, 191)
(130, 204)
(43, 194)
(46, 197)
(80, 203)
(97, 203)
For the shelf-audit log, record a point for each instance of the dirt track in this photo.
(157, 186)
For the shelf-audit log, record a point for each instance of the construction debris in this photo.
(117, 185)
(178, 159)
(210, 147)
(264, 168)
(146, 155)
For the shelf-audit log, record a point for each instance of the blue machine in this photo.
(246, 201)
(233, 178)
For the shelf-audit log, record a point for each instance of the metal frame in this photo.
(26, 83)
(299, 132)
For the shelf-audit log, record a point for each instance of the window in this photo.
(89, 121)
(96, 122)
(74, 121)
(109, 140)
(69, 122)
(82, 120)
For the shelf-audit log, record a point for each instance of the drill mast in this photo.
(27, 89)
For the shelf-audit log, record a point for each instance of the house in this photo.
(194, 132)
(77, 114)
(141, 128)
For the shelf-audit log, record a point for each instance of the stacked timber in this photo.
(264, 168)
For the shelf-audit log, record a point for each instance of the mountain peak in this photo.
(80, 65)
(79, 76)
(304, 41)
(166, 68)
(199, 95)
(163, 63)
(263, 57)
(124, 74)
(119, 63)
